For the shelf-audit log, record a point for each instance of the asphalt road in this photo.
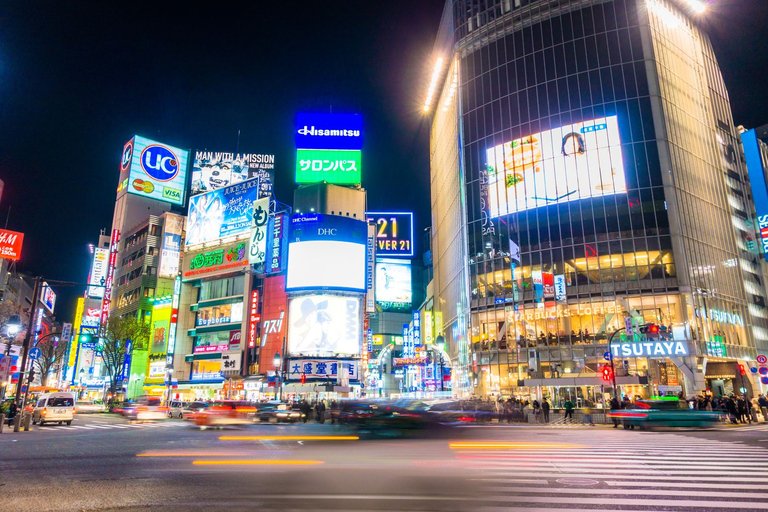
(107, 464)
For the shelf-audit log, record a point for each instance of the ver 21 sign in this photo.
(653, 349)
(394, 233)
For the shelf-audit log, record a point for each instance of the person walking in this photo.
(733, 413)
(615, 406)
(742, 410)
(568, 406)
(320, 411)
(536, 411)
(762, 402)
(305, 409)
(545, 409)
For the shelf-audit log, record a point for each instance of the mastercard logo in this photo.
(143, 186)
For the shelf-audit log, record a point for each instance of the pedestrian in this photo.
(568, 406)
(762, 402)
(626, 403)
(545, 409)
(588, 415)
(320, 411)
(305, 409)
(742, 410)
(615, 406)
(536, 411)
(730, 405)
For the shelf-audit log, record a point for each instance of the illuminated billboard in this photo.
(334, 166)
(154, 170)
(571, 162)
(10, 244)
(756, 169)
(329, 131)
(324, 324)
(394, 233)
(98, 276)
(393, 281)
(48, 298)
(170, 251)
(221, 213)
(214, 170)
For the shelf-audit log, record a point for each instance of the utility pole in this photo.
(24, 354)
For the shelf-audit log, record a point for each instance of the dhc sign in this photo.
(652, 349)
(329, 131)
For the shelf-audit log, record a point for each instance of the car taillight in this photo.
(466, 418)
(74, 410)
(141, 408)
(45, 411)
(162, 408)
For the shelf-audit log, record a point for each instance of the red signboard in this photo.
(110, 276)
(274, 321)
(254, 318)
(10, 244)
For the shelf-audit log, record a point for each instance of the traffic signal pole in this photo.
(24, 355)
(613, 368)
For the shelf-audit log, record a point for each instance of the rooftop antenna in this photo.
(237, 151)
(7, 217)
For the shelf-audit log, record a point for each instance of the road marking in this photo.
(636, 492)
(255, 462)
(82, 427)
(512, 446)
(606, 476)
(677, 485)
(289, 438)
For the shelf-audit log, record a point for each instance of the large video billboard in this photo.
(154, 170)
(575, 161)
(214, 170)
(394, 233)
(393, 281)
(223, 212)
(324, 324)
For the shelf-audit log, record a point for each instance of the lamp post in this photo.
(440, 343)
(278, 360)
(21, 399)
(80, 380)
(169, 376)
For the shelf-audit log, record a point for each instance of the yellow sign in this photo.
(75, 345)
(378, 339)
(438, 323)
(427, 327)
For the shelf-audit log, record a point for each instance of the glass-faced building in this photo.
(587, 179)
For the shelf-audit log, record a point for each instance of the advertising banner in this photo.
(10, 244)
(324, 324)
(231, 361)
(48, 298)
(224, 212)
(161, 319)
(106, 301)
(370, 270)
(394, 233)
(329, 131)
(213, 170)
(170, 252)
(393, 281)
(253, 319)
(221, 260)
(756, 169)
(548, 286)
(277, 244)
(567, 163)
(154, 170)
(560, 292)
(259, 228)
(98, 276)
(174, 320)
(321, 368)
(331, 165)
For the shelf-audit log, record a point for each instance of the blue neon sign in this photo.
(329, 131)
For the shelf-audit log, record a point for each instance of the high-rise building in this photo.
(586, 181)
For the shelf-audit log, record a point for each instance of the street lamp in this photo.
(13, 326)
(278, 360)
(440, 344)
(82, 377)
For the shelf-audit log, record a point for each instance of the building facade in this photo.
(586, 179)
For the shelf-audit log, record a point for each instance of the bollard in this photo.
(2, 422)
(17, 423)
(27, 420)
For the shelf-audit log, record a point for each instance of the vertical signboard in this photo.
(417, 329)
(277, 246)
(370, 270)
(171, 248)
(253, 319)
(428, 328)
(258, 248)
(757, 179)
(105, 303)
(174, 321)
(98, 277)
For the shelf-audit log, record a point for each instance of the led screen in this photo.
(221, 213)
(212, 170)
(157, 170)
(393, 281)
(326, 264)
(394, 233)
(324, 324)
(575, 161)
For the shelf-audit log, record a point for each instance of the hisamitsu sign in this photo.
(653, 349)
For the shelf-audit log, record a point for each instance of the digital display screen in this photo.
(393, 281)
(158, 171)
(223, 212)
(575, 161)
(394, 233)
(214, 170)
(329, 131)
(324, 324)
(326, 264)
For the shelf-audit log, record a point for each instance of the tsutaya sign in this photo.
(650, 349)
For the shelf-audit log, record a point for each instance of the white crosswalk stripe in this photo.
(102, 425)
(618, 470)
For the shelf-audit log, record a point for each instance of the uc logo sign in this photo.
(159, 163)
(127, 154)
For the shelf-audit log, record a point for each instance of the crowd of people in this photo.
(739, 409)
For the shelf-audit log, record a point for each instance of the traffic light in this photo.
(85, 338)
(742, 369)
(650, 330)
(607, 373)
(31, 376)
(303, 378)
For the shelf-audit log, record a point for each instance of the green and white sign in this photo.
(341, 167)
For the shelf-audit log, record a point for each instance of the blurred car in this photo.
(90, 406)
(120, 407)
(277, 412)
(663, 413)
(146, 408)
(226, 412)
(185, 410)
(385, 418)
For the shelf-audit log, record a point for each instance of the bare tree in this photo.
(53, 352)
(121, 336)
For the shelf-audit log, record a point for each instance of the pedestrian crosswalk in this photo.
(614, 470)
(103, 425)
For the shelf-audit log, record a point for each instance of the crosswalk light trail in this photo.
(289, 438)
(255, 462)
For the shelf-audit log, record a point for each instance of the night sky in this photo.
(78, 79)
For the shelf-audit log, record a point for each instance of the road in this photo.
(105, 463)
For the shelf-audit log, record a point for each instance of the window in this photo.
(60, 401)
(222, 288)
(149, 292)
